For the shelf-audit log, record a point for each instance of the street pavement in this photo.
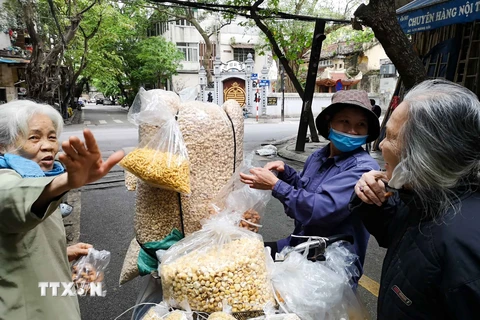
(105, 210)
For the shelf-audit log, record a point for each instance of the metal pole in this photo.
(306, 118)
(282, 84)
(256, 96)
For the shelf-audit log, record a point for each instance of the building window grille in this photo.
(240, 54)
(183, 23)
(189, 50)
(157, 29)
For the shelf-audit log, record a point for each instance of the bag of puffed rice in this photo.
(162, 159)
(220, 264)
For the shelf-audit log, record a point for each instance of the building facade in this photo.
(14, 57)
(234, 60)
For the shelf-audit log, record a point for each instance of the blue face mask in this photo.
(346, 142)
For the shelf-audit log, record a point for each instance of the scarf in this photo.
(28, 168)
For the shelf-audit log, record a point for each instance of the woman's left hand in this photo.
(77, 250)
(260, 178)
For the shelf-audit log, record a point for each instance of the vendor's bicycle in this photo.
(151, 289)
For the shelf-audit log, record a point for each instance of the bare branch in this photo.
(220, 27)
(241, 11)
(87, 8)
(94, 31)
(52, 10)
(276, 49)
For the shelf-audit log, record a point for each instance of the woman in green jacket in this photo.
(32, 237)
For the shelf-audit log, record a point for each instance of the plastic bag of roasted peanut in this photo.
(237, 197)
(88, 273)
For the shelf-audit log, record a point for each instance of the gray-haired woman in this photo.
(431, 222)
(32, 237)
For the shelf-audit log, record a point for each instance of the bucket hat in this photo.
(355, 98)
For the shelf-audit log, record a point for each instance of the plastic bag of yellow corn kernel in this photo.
(161, 158)
(222, 264)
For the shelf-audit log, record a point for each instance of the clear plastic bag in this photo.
(318, 290)
(238, 198)
(219, 264)
(161, 159)
(308, 289)
(342, 261)
(153, 106)
(88, 273)
(162, 311)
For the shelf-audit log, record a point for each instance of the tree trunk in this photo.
(45, 67)
(208, 47)
(381, 17)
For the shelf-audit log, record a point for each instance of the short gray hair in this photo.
(441, 143)
(14, 118)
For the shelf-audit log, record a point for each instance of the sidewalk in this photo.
(75, 119)
(286, 150)
(267, 119)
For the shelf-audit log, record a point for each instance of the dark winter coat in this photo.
(432, 268)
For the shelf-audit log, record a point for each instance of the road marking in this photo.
(118, 121)
(87, 122)
(102, 121)
(370, 285)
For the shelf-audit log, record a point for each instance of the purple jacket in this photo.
(317, 199)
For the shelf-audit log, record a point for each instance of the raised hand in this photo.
(83, 161)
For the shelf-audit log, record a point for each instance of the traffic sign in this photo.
(264, 83)
(254, 76)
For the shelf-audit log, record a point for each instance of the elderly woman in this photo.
(430, 223)
(32, 237)
(317, 199)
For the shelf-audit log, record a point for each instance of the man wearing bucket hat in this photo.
(317, 198)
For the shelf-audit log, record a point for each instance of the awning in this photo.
(418, 4)
(242, 46)
(13, 60)
(423, 15)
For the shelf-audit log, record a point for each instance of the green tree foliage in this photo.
(122, 58)
(294, 37)
(158, 60)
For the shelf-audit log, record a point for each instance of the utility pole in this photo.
(257, 98)
(282, 85)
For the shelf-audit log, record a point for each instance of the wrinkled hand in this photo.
(275, 165)
(84, 161)
(77, 250)
(260, 178)
(371, 187)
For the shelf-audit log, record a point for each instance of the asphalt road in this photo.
(107, 210)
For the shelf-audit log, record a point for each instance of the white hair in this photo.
(441, 143)
(14, 118)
